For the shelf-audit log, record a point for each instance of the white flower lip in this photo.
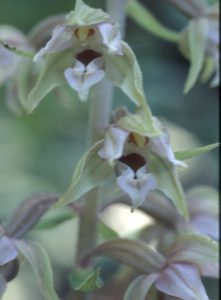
(137, 184)
(81, 78)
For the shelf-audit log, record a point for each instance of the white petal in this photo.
(182, 281)
(114, 142)
(136, 188)
(81, 78)
(206, 224)
(62, 38)
(161, 145)
(8, 250)
(111, 37)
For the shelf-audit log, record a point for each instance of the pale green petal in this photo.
(139, 288)
(39, 261)
(142, 16)
(182, 155)
(51, 75)
(195, 248)
(168, 181)
(141, 123)
(196, 39)
(86, 15)
(136, 254)
(91, 171)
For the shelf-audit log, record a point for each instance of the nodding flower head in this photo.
(130, 152)
(202, 33)
(90, 44)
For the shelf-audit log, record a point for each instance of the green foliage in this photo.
(85, 280)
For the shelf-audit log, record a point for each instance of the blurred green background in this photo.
(38, 152)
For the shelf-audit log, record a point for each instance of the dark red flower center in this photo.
(134, 161)
(87, 56)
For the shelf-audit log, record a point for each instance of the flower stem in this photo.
(99, 114)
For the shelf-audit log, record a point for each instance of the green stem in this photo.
(99, 115)
(147, 20)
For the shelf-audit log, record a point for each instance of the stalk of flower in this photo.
(131, 153)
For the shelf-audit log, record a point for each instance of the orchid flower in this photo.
(199, 41)
(176, 272)
(93, 48)
(133, 155)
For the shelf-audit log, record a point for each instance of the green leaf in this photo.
(142, 16)
(139, 123)
(195, 248)
(39, 261)
(182, 155)
(139, 288)
(84, 15)
(51, 75)
(197, 31)
(106, 232)
(91, 171)
(168, 182)
(136, 254)
(85, 280)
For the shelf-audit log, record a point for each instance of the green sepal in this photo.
(84, 15)
(40, 263)
(139, 288)
(168, 182)
(91, 171)
(85, 280)
(51, 75)
(142, 16)
(195, 248)
(142, 123)
(136, 254)
(182, 155)
(192, 45)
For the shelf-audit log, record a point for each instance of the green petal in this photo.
(195, 248)
(91, 171)
(141, 123)
(182, 155)
(139, 288)
(168, 182)
(51, 75)
(136, 254)
(85, 280)
(147, 20)
(86, 15)
(197, 31)
(39, 261)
